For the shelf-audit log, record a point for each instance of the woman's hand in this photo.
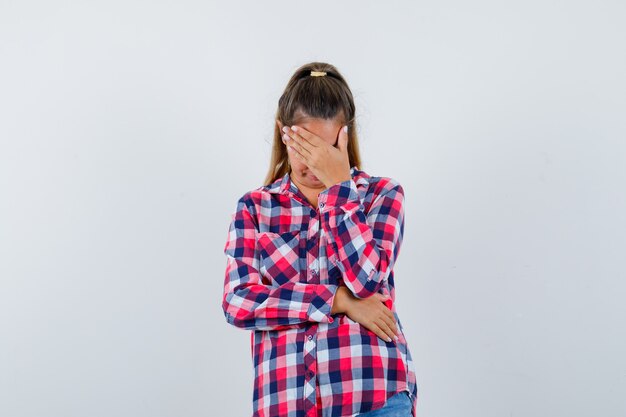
(330, 164)
(370, 312)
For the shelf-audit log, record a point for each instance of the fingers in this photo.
(297, 154)
(291, 136)
(389, 325)
(383, 331)
(388, 328)
(385, 324)
(388, 320)
(380, 332)
(295, 145)
(294, 149)
(375, 316)
(342, 140)
(306, 136)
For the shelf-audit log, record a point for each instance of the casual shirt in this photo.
(285, 261)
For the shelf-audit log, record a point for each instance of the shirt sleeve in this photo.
(365, 245)
(250, 304)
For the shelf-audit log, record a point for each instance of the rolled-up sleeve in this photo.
(250, 304)
(365, 245)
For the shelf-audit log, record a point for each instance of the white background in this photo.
(129, 129)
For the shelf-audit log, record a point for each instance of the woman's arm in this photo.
(250, 304)
(365, 246)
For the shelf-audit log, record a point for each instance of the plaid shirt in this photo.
(285, 261)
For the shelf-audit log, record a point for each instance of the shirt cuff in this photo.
(343, 194)
(320, 303)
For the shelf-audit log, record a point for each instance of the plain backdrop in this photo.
(129, 129)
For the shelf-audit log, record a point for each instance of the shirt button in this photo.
(322, 204)
(314, 272)
(310, 337)
(309, 374)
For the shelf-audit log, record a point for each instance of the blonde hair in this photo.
(307, 96)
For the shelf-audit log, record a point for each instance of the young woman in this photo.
(310, 259)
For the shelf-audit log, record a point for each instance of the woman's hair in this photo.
(324, 97)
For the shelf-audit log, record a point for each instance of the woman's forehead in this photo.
(326, 129)
(302, 117)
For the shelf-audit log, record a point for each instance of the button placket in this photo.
(315, 266)
(312, 256)
(310, 371)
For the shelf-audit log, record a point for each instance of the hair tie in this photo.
(317, 73)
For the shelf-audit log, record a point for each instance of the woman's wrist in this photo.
(341, 300)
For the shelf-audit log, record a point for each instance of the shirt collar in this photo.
(284, 185)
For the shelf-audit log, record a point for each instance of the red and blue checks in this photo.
(285, 261)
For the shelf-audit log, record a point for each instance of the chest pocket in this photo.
(279, 256)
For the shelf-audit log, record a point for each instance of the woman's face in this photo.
(327, 130)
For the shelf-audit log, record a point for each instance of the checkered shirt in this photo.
(285, 261)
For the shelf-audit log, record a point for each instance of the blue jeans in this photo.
(398, 405)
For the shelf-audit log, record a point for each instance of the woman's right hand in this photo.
(373, 314)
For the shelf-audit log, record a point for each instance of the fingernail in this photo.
(396, 337)
(285, 129)
(345, 128)
(388, 339)
(294, 128)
